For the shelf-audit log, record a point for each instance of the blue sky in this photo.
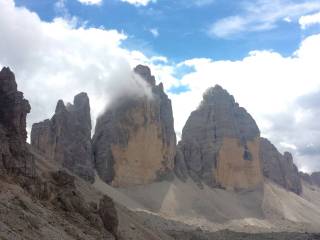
(264, 52)
(184, 29)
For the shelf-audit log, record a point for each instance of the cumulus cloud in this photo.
(269, 86)
(309, 20)
(298, 130)
(260, 15)
(56, 60)
(138, 2)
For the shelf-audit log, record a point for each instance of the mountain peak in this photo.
(81, 99)
(220, 142)
(60, 106)
(217, 94)
(145, 73)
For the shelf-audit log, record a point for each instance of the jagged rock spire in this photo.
(14, 155)
(66, 137)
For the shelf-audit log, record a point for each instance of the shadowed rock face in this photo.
(14, 156)
(305, 177)
(66, 137)
(134, 140)
(279, 168)
(315, 178)
(220, 144)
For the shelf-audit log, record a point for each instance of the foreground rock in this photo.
(220, 144)
(279, 168)
(66, 137)
(14, 156)
(35, 202)
(134, 140)
(108, 214)
(53, 208)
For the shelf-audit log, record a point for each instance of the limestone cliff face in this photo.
(134, 140)
(66, 137)
(14, 155)
(279, 168)
(220, 144)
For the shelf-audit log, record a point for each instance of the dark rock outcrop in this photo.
(66, 137)
(134, 140)
(279, 168)
(108, 214)
(14, 155)
(59, 189)
(220, 144)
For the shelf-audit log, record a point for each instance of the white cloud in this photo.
(260, 15)
(154, 32)
(228, 26)
(287, 19)
(288, 146)
(267, 84)
(309, 20)
(139, 2)
(91, 2)
(60, 8)
(56, 60)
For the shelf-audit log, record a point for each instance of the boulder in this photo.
(66, 137)
(220, 144)
(134, 140)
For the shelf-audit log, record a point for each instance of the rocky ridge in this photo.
(279, 168)
(134, 140)
(25, 186)
(221, 147)
(313, 178)
(66, 137)
(52, 203)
